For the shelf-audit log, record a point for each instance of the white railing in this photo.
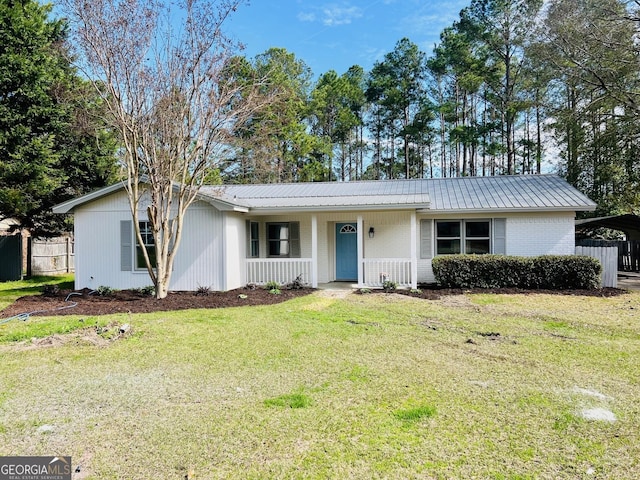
(282, 270)
(377, 270)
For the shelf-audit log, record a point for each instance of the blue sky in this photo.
(334, 35)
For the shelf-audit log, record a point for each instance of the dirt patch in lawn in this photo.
(127, 301)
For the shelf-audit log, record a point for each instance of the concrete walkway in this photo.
(629, 280)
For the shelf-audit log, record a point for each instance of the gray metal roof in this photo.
(506, 192)
(328, 195)
(461, 194)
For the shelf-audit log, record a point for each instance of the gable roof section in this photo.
(438, 195)
(393, 194)
(506, 193)
(217, 198)
(460, 194)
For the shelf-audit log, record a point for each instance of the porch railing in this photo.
(282, 270)
(377, 270)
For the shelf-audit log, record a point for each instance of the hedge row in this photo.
(554, 272)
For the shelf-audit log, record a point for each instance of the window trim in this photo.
(251, 240)
(293, 239)
(462, 238)
(487, 238)
(136, 246)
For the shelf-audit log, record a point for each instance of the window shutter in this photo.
(294, 239)
(425, 238)
(126, 245)
(500, 236)
(248, 229)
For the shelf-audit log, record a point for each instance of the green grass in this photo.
(10, 291)
(371, 386)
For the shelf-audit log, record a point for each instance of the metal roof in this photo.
(451, 195)
(460, 194)
(627, 223)
(506, 192)
(394, 194)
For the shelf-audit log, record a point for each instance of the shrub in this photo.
(296, 284)
(51, 290)
(203, 291)
(147, 291)
(554, 272)
(105, 291)
(275, 291)
(272, 285)
(389, 286)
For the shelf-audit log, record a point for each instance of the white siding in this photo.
(235, 251)
(97, 237)
(200, 258)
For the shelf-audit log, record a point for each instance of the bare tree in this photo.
(163, 71)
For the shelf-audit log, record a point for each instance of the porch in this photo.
(374, 272)
(327, 247)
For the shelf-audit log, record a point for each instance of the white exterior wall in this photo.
(528, 235)
(539, 234)
(235, 250)
(97, 247)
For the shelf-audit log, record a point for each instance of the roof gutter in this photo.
(575, 208)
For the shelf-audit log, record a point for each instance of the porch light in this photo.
(372, 232)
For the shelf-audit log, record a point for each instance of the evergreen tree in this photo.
(51, 148)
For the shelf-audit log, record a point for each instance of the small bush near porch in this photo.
(368, 386)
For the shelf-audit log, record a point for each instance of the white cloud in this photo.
(307, 17)
(337, 15)
(331, 15)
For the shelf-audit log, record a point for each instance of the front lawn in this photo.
(369, 386)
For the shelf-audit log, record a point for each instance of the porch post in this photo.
(314, 251)
(360, 251)
(414, 251)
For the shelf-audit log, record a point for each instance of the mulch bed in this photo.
(434, 293)
(127, 301)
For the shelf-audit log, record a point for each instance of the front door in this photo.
(346, 252)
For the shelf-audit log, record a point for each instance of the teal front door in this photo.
(346, 252)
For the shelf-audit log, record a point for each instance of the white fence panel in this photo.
(608, 257)
(377, 270)
(282, 270)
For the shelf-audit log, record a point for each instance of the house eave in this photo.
(462, 211)
(69, 205)
(332, 208)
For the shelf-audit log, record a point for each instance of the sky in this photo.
(334, 35)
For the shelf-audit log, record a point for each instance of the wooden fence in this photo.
(52, 256)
